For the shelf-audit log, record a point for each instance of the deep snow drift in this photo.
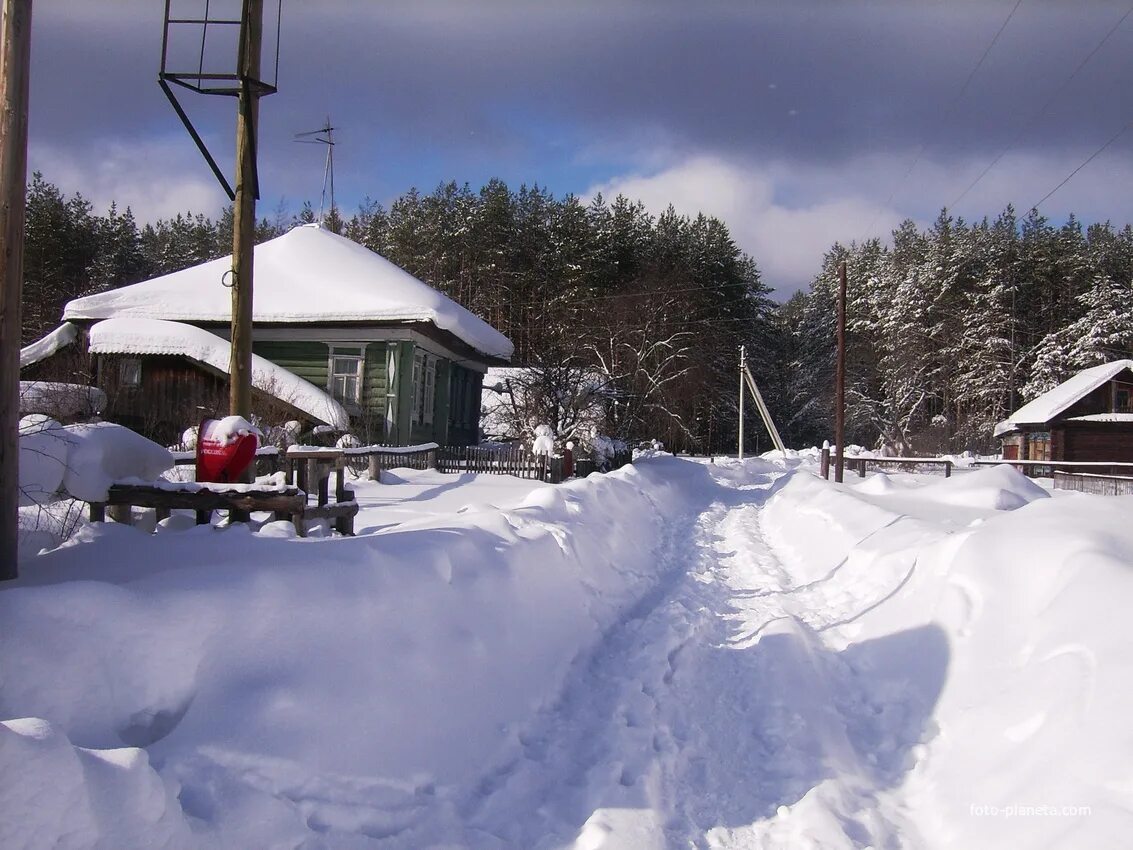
(677, 654)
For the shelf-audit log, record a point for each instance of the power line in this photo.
(1089, 159)
(951, 107)
(1042, 110)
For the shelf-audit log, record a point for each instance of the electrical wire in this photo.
(1042, 110)
(949, 110)
(1089, 159)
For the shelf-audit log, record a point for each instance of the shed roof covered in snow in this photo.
(156, 336)
(1053, 402)
(308, 275)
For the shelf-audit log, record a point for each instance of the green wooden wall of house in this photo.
(385, 412)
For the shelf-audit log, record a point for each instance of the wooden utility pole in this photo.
(743, 366)
(840, 379)
(244, 210)
(15, 55)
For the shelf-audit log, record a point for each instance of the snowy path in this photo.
(710, 709)
(675, 655)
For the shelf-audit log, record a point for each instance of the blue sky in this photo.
(798, 122)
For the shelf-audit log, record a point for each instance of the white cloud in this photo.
(788, 214)
(787, 241)
(156, 178)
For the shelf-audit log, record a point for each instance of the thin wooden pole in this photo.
(840, 380)
(743, 366)
(15, 54)
(244, 211)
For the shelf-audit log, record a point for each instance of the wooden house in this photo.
(1086, 418)
(403, 361)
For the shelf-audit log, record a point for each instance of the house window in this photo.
(1038, 445)
(424, 387)
(130, 372)
(346, 374)
(1121, 395)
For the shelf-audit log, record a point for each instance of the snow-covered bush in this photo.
(63, 466)
(570, 399)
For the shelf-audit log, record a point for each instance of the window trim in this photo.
(424, 397)
(342, 352)
(130, 372)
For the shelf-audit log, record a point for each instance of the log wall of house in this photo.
(1095, 441)
(308, 360)
(173, 395)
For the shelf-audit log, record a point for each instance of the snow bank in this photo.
(44, 445)
(83, 460)
(1028, 744)
(317, 691)
(55, 794)
(998, 488)
(102, 453)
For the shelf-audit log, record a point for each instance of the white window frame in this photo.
(343, 353)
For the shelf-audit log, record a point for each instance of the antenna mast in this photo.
(323, 136)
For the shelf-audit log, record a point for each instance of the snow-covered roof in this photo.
(41, 349)
(156, 336)
(308, 275)
(1053, 402)
(60, 399)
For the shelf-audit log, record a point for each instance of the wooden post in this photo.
(15, 53)
(824, 462)
(244, 214)
(340, 480)
(740, 451)
(840, 380)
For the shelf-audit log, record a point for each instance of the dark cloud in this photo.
(424, 91)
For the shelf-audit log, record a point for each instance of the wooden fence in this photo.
(1088, 482)
(505, 460)
(1048, 468)
(500, 460)
(859, 464)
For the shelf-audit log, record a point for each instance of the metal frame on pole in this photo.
(15, 56)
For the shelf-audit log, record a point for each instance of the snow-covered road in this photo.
(678, 655)
(709, 710)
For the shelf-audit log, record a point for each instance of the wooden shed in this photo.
(1086, 418)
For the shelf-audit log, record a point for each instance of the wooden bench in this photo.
(289, 503)
(309, 465)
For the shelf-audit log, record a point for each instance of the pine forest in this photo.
(950, 327)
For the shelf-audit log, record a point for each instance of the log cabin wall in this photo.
(170, 394)
(1096, 441)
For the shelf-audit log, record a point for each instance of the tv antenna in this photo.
(323, 136)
